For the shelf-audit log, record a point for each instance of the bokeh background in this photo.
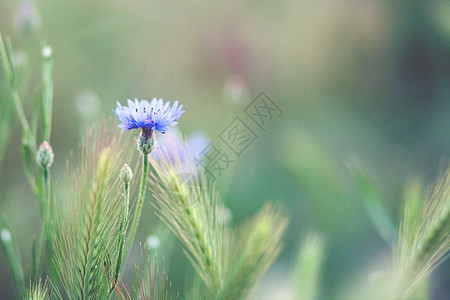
(357, 77)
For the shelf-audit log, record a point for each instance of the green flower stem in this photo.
(127, 201)
(137, 215)
(122, 234)
(46, 220)
(21, 114)
(9, 72)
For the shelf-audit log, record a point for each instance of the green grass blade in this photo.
(15, 261)
(36, 111)
(6, 115)
(308, 266)
(29, 162)
(5, 62)
(7, 110)
(371, 199)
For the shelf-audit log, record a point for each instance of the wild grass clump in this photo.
(190, 207)
(88, 230)
(229, 261)
(153, 283)
(94, 222)
(90, 227)
(253, 250)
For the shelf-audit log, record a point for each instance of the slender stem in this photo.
(19, 110)
(122, 235)
(46, 220)
(15, 92)
(127, 201)
(137, 215)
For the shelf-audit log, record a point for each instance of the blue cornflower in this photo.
(155, 115)
(148, 116)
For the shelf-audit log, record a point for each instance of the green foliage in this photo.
(6, 115)
(308, 266)
(90, 224)
(42, 291)
(153, 283)
(372, 202)
(8, 69)
(138, 209)
(38, 178)
(423, 241)
(12, 252)
(196, 288)
(191, 209)
(91, 233)
(257, 246)
(229, 262)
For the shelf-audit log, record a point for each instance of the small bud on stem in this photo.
(146, 142)
(126, 173)
(45, 155)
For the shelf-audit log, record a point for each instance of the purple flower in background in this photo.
(148, 116)
(27, 18)
(185, 152)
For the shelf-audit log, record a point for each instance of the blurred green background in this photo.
(357, 77)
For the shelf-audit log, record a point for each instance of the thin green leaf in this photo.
(308, 266)
(35, 115)
(29, 159)
(6, 115)
(14, 259)
(371, 199)
(33, 257)
(5, 61)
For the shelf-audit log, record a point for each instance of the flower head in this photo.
(27, 18)
(126, 173)
(148, 116)
(45, 155)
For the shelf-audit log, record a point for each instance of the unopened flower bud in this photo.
(146, 142)
(45, 155)
(126, 173)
